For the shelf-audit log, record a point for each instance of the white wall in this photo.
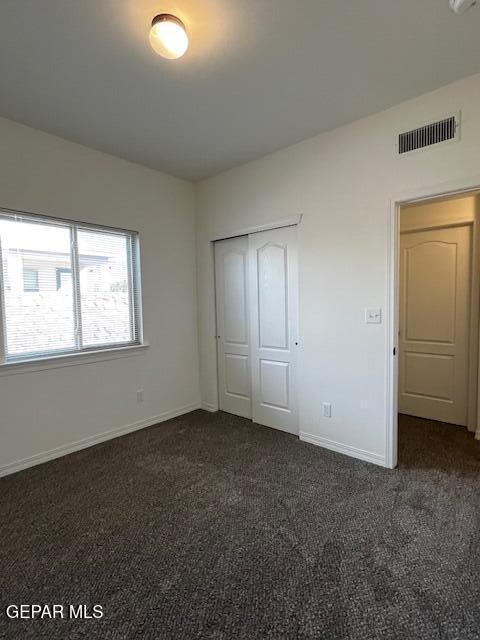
(424, 214)
(343, 182)
(43, 410)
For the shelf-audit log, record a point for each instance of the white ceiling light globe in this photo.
(168, 36)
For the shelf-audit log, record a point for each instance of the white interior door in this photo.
(233, 348)
(435, 280)
(273, 285)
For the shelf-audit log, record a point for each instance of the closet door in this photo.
(233, 348)
(273, 285)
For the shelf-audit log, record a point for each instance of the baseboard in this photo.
(64, 450)
(207, 406)
(347, 450)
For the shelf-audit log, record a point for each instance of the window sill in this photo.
(70, 359)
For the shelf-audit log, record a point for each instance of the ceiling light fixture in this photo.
(168, 36)
(460, 6)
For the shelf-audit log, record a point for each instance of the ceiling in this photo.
(259, 74)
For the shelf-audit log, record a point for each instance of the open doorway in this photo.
(438, 318)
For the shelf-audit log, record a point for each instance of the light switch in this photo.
(373, 316)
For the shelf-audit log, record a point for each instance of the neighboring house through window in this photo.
(63, 277)
(86, 279)
(30, 280)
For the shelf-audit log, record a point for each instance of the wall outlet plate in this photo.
(326, 410)
(373, 316)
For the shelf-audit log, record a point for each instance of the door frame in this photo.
(425, 194)
(246, 231)
(294, 221)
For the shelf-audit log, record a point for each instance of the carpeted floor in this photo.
(211, 527)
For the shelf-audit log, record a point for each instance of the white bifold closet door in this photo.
(273, 286)
(257, 320)
(233, 345)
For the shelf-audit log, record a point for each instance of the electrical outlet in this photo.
(373, 316)
(326, 410)
(140, 395)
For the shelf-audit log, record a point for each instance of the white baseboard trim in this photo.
(347, 450)
(64, 450)
(208, 406)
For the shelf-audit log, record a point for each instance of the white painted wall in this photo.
(428, 214)
(43, 410)
(343, 182)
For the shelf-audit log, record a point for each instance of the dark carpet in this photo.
(208, 526)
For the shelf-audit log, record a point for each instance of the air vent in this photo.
(426, 136)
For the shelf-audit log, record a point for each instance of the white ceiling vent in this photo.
(428, 135)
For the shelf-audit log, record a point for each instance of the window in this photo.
(30, 279)
(63, 277)
(86, 285)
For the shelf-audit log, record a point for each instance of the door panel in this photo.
(431, 274)
(235, 294)
(233, 347)
(237, 375)
(274, 384)
(272, 293)
(434, 323)
(274, 327)
(420, 382)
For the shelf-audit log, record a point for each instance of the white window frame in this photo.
(79, 355)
